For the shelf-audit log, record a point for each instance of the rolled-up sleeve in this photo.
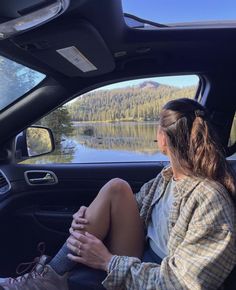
(130, 273)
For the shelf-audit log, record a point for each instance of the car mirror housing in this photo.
(33, 142)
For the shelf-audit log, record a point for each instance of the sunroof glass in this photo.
(182, 11)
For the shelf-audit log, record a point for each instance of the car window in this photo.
(16, 80)
(115, 123)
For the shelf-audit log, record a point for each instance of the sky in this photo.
(178, 81)
(171, 11)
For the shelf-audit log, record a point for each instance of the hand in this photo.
(89, 249)
(79, 222)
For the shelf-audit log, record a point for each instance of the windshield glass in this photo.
(15, 81)
(173, 12)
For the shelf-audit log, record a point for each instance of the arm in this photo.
(202, 260)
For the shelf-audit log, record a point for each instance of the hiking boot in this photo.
(41, 277)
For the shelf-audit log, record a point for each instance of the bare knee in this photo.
(118, 187)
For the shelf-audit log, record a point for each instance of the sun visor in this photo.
(74, 50)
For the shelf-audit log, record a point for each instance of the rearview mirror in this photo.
(34, 141)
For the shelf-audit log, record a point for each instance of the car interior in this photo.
(112, 51)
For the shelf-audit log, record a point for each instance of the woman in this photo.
(187, 214)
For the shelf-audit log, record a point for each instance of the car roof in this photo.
(99, 30)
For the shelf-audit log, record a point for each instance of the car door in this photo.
(31, 214)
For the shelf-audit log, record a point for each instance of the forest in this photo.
(135, 103)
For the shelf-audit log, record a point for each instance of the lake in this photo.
(106, 142)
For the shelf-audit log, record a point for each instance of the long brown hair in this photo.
(194, 145)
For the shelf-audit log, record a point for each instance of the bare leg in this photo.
(113, 216)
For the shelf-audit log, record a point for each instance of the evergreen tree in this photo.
(59, 121)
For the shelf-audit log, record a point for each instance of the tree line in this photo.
(126, 104)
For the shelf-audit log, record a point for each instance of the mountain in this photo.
(142, 102)
(148, 85)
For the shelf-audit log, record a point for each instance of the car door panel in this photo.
(37, 213)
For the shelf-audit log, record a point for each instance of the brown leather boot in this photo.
(42, 277)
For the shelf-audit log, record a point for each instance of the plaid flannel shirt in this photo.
(202, 250)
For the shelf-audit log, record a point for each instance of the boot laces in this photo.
(29, 269)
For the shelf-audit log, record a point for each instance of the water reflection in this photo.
(114, 142)
(128, 136)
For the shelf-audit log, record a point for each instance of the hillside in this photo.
(138, 103)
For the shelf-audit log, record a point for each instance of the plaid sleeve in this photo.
(202, 260)
(130, 273)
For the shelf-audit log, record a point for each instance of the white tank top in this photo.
(158, 231)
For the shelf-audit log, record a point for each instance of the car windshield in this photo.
(181, 13)
(15, 81)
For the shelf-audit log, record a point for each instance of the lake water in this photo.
(107, 142)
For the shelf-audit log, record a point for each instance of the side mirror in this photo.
(34, 141)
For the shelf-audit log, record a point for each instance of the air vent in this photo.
(4, 183)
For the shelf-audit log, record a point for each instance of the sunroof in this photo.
(176, 12)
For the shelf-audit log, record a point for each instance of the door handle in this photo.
(48, 178)
(40, 177)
